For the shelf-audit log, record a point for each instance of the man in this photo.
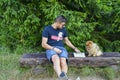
(52, 40)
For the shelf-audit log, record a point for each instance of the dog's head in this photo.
(89, 44)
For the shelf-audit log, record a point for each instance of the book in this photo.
(79, 54)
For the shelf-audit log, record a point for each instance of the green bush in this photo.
(22, 22)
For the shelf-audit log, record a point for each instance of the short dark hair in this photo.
(60, 18)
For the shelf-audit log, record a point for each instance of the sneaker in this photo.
(63, 76)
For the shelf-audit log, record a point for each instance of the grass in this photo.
(10, 70)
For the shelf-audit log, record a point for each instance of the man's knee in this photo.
(63, 61)
(55, 58)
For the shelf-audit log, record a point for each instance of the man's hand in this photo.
(77, 50)
(67, 41)
(57, 50)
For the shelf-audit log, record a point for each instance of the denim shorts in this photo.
(50, 53)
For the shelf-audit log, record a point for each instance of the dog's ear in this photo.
(89, 43)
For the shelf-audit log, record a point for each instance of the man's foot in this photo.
(63, 76)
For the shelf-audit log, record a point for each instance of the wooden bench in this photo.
(107, 59)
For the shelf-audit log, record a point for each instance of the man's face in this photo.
(60, 25)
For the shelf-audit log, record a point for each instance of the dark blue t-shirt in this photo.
(55, 36)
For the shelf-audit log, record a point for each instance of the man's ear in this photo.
(57, 23)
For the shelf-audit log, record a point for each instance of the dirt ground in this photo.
(73, 78)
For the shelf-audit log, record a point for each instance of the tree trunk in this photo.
(108, 58)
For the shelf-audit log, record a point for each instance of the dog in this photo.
(93, 49)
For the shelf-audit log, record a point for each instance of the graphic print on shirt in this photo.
(57, 38)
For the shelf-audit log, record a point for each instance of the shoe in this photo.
(63, 76)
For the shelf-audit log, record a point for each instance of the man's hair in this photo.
(60, 18)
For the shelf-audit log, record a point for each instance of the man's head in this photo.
(60, 22)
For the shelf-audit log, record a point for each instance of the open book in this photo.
(79, 54)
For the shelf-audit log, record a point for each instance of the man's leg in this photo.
(56, 64)
(63, 64)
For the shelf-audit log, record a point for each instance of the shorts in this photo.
(50, 53)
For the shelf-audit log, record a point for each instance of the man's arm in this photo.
(67, 41)
(44, 43)
(46, 46)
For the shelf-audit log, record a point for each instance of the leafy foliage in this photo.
(22, 22)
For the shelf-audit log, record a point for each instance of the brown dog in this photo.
(93, 49)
